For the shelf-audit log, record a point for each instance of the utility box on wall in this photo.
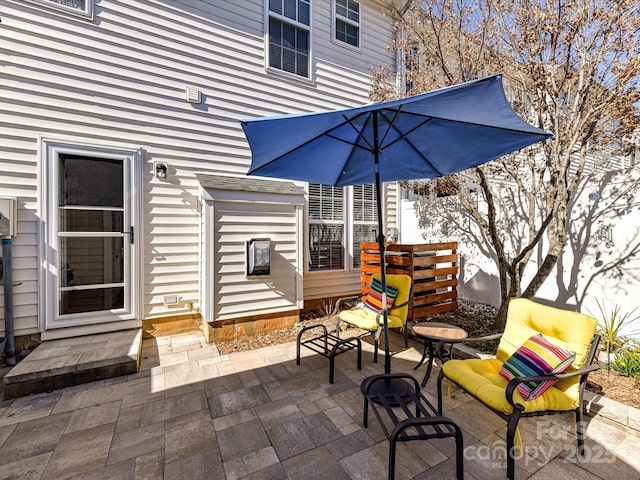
(8, 213)
(258, 256)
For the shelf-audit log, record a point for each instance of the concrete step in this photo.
(66, 362)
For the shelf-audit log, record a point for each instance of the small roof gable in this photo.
(249, 184)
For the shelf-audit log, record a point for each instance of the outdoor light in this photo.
(160, 170)
(258, 256)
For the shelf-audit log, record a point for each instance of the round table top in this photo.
(439, 331)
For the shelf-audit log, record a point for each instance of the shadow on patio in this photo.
(193, 413)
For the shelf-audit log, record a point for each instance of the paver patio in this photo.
(193, 413)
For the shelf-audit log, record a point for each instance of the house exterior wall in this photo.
(118, 80)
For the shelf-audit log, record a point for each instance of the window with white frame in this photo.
(290, 35)
(330, 219)
(326, 227)
(77, 7)
(365, 218)
(347, 22)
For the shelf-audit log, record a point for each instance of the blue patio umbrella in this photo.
(424, 136)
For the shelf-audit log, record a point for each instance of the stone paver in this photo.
(193, 413)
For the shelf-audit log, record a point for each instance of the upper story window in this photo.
(289, 35)
(347, 21)
(77, 7)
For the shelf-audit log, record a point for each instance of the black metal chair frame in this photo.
(518, 409)
(379, 321)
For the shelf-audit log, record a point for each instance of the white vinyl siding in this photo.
(121, 79)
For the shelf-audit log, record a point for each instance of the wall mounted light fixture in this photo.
(161, 170)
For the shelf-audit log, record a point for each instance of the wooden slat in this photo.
(398, 271)
(419, 247)
(434, 273)
(434, 297)
(434, 309)
(419, 287)
(405, 261)
(370, 268)
(434, 260)
(370, 257)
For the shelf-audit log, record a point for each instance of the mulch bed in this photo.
(477, 320)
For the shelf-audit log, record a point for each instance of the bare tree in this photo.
(569, 67)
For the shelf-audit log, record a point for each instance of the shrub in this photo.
(610, 326)
(627, 362)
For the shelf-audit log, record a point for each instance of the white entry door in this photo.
(91, 237)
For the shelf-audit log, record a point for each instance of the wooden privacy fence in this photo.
(433, 268)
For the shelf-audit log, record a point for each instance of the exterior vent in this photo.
(192, 95)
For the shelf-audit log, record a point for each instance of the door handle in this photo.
(130, 233)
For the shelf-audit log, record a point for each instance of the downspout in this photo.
(10, 345)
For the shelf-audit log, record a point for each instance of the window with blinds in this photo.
(330, 222)
(365, 218)
(326, 227)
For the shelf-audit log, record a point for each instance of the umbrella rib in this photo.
(311, 140)
(403, 136)
(369, 147)
(496, 127)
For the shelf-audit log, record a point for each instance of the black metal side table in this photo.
(441, 334)
(328, 346)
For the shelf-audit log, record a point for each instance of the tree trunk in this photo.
(541, 275)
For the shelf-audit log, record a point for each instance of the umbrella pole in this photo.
(381, 241)
(395, 387)
(383, 271)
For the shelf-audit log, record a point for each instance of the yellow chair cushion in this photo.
(366, 319)
(482, 379)
(569, 330)
(564, 328)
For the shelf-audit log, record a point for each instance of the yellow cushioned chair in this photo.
(366, 319)
(481, 378)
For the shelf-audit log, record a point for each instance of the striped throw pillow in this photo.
(373, 301)
(536, 357)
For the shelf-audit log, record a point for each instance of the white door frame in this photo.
(50, 320)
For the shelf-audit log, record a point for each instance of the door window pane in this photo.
(91, 260)
(75, 220)
(91, 181)
(93, 300)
